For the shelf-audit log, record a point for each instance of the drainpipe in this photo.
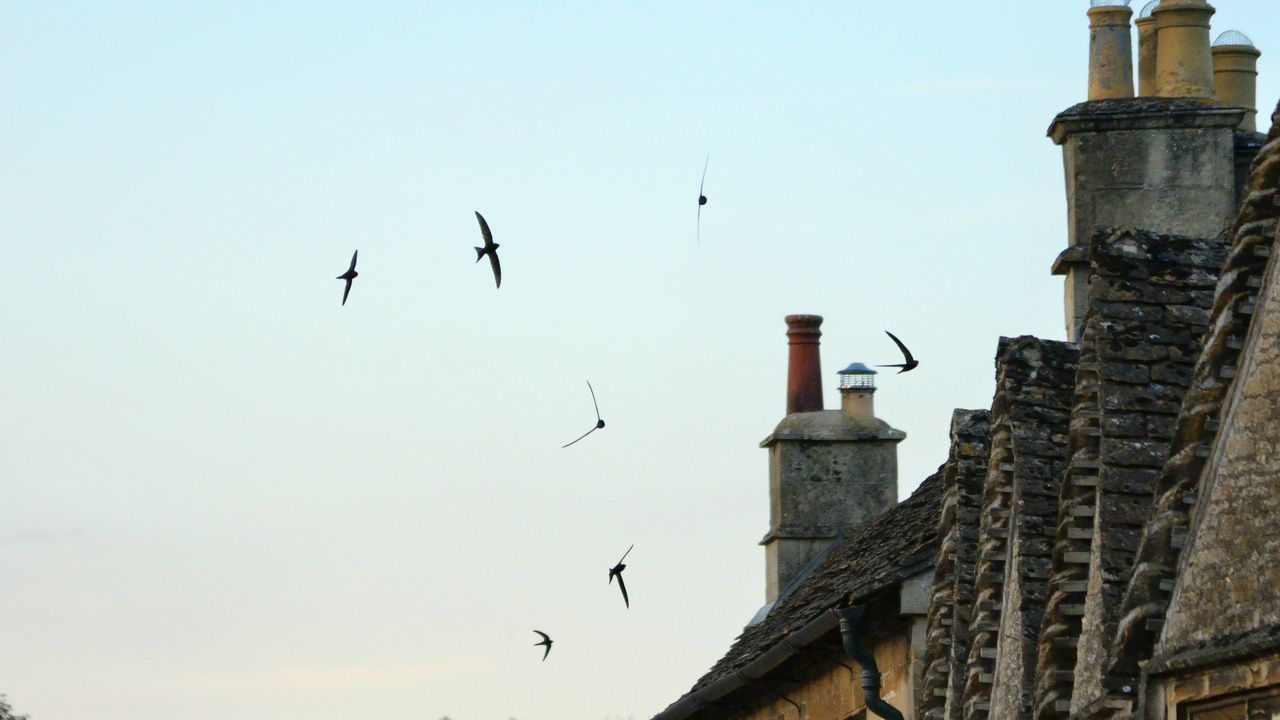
(849, 618)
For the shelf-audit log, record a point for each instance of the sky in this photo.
(225, 495)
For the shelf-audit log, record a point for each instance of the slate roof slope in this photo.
(1149, 300)
(1253, 239)
(947, 632)
(1225, 596)
(897, 544)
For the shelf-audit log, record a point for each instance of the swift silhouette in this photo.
(910, 363)
(599, 422)
(702, 199)
(349, 275)
(490, 248)
(545, 641)
(616, 571)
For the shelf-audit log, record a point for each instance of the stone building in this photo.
(1103, 542)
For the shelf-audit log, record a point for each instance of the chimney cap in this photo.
(1146, 9)
(857, 375)
(804, 320)
(1109, 3)
(1233, 37)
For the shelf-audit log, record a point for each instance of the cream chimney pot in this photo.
(1184, 66)
(1235, 74)
(858, 390)
(1110, 52)
(1147, 46)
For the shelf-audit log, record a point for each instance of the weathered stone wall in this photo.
(1149, 301)
(1230, 582)
(830, 472)
(1214, 683)
(946, 638)
(1247, 143)
(1029, 416)
(1177, 486)
(833, 692)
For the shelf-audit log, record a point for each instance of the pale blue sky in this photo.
(223, 495)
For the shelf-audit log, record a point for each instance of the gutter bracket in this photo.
(794, 704)
(829, 657)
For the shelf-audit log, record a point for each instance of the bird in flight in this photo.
(545, 641)
(910, 363)
(349, 275)
(599, 422)
(702, 199)
(616, 571)
(490, 248)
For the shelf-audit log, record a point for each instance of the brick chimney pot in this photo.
(804, 367)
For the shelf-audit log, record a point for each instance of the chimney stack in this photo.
(830, 471)
(1235, 74)
(1184, 66)
(1110, 50)
(1146, 25)
(804, 366)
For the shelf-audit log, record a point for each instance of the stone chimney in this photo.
(830, 471)
(1146, 25)
(1235, 74)
(1165, 163)
(1184, 66)
(1110, 50)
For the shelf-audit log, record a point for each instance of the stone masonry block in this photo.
(1124, 372)
(1161, 426)
(1123, 451)
(1189, 315)
(1135, 350)
(1165, 295)
(1177, 374)
(1149, 398)
(1128, 311)
(1129, 481)
(1122, 538)
(1124, 510)
(1124, 425)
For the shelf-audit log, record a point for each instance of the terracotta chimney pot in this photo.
(804, 367)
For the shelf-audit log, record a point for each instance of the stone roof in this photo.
(1030, 412)
(1149, 300)
(1057, 527)
(1252, 242)
(947, 632)
(898, 544)
(1225, 596)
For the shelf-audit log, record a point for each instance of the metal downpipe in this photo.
(849, 619)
